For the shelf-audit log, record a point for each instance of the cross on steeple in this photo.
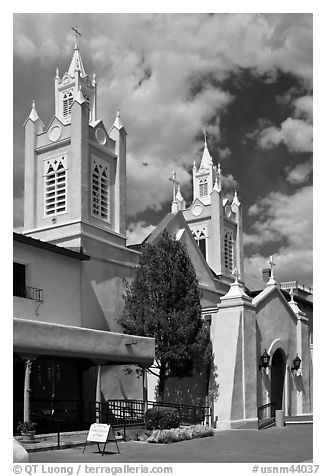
(175, 183)
(205, 137)
(272, 264)
(75, 30)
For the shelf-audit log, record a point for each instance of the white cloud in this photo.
(137, 232)
(294, 133)
(300, 174)
(304, 107)
(147, 64)
(285, 219)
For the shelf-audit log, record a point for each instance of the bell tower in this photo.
(214, 220)
(75, 168)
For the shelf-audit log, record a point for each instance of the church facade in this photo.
(248, 319)
(71, 259)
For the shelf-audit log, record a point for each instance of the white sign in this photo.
(99, 433)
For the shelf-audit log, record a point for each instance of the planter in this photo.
(28, 436)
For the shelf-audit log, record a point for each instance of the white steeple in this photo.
(34, 117)
(33, 114)
(206, 160)
(235, 199)
(67, 88)
(203, 177)
(76, 62)
(218, 179)
(117, 122)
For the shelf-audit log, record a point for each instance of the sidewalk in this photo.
(291, 444)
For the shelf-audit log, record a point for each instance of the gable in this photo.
(274, 315)
(176, 226)
(99, 135)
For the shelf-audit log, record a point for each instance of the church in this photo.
(71, 260)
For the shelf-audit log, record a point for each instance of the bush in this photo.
(180, 434)
(162, 418)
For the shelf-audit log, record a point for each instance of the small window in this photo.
(55, 185)
(100, 190)
(200, 236)
(67, 103)
(228, 251)
(19, 280)
(203, 188)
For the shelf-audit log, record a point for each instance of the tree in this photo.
(163, 302)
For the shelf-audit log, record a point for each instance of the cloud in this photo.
(147, 65)
(299, 174)
(304, 107)
(294, 133)
(137, 232)
(285, 222)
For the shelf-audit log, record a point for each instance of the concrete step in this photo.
(306, 419)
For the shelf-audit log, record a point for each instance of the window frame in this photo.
(101, 190)
(55, 185)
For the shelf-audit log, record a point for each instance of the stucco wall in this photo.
(58, 276)
(277, 324)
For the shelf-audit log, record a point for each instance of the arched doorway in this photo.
(277, 378)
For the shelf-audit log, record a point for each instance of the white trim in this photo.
(243, 368)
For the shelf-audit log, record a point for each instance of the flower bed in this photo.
(179, 434)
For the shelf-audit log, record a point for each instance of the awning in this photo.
(42, 338)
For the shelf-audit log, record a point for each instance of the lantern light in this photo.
(296, 364)
(264, 360)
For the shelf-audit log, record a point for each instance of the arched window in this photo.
(228, 251)
(67, 103)
(200, 236)
(100, 193)
(55, 185)
(203, 187)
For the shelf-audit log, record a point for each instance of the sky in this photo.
(245, 78)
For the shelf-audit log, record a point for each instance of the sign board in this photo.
(100, 433)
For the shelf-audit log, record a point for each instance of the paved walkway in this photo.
(292, 444)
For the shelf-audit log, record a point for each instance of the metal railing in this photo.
(28, 292)
(266, 415)
(189, 414)
(127, 413)
(296, 285)
(53, 420)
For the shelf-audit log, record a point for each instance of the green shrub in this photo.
(180, 434)
(162, 418)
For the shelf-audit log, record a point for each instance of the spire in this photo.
(206, 160)
(34, 117)
(117, 122)
(235, 199)
(173, 179)
(33, 114)
(218, 179)
(76, 62)
(179, 195)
